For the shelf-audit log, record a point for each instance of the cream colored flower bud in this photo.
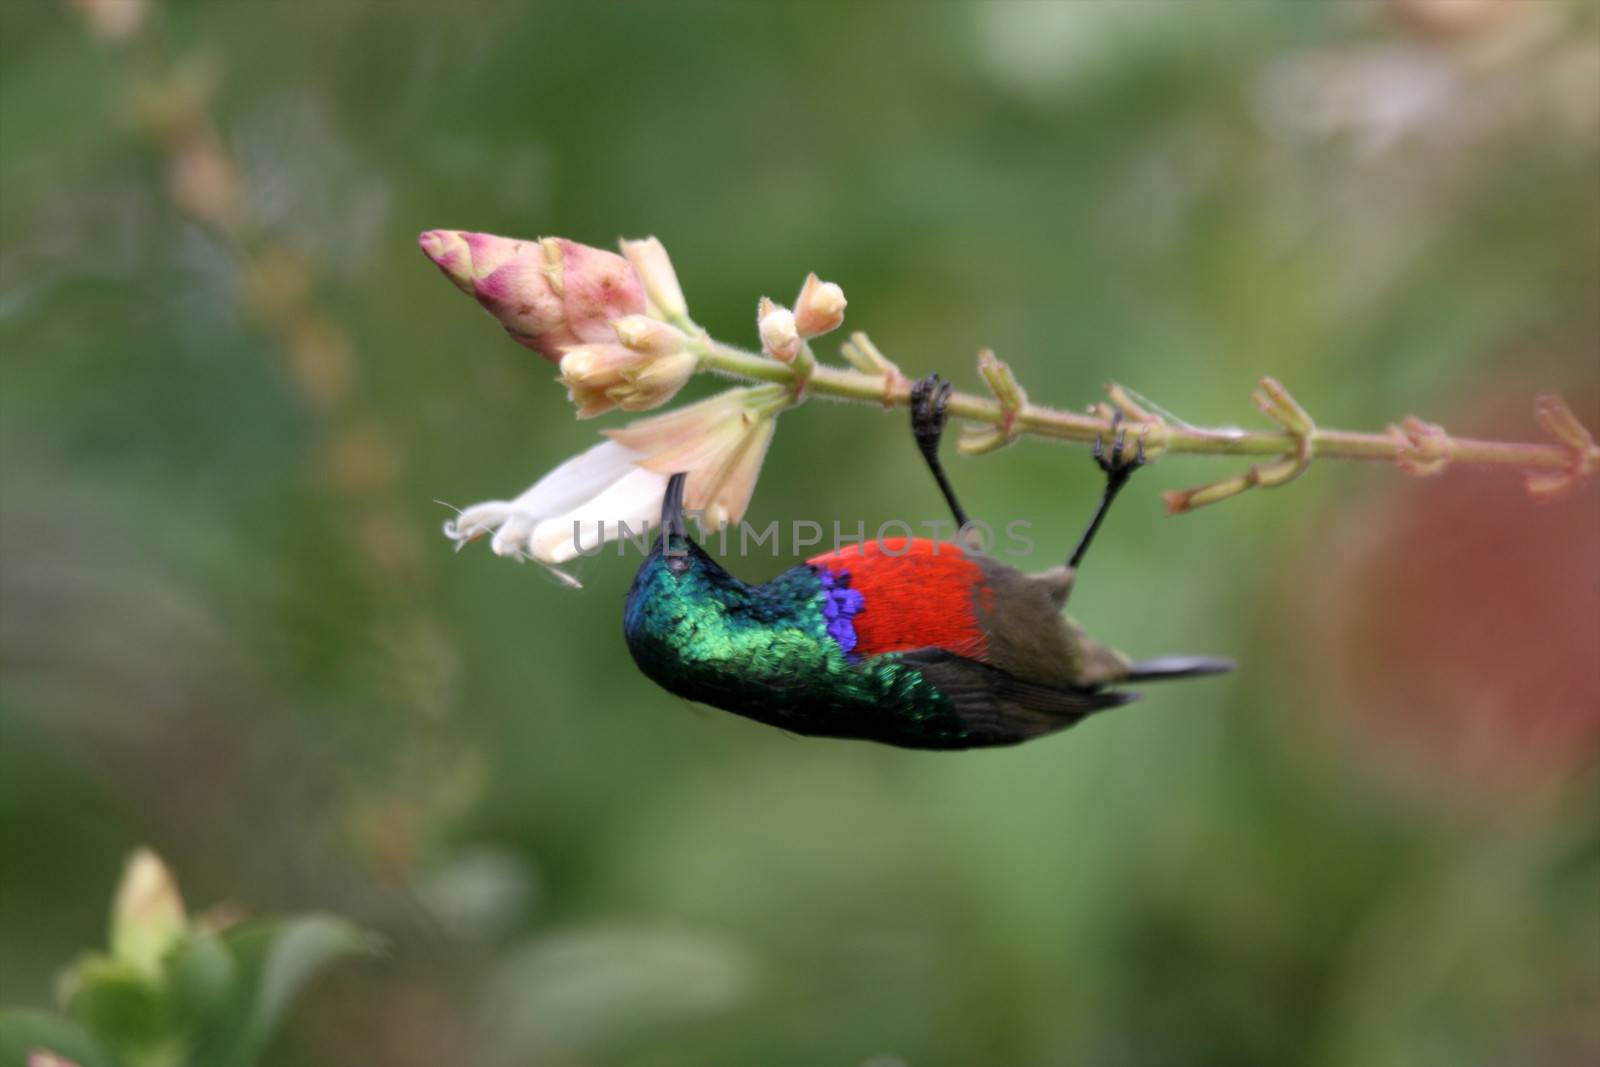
(650, 336)
(779, 338)
(147, 917)
(652, 385)
(601, 377)
(590, 372)
(819, 307)
(654, 267)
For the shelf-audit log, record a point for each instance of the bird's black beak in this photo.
(672, 512)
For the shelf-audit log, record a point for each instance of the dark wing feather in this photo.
(1000, 708)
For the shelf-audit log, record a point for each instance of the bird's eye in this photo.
(677, 564)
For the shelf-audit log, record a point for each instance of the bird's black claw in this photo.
(1116, 464)
(929, 396)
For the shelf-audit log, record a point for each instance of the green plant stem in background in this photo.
(1417, 447)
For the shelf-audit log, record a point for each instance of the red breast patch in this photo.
(916, 593)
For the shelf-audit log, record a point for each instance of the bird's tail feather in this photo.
(1164, 667)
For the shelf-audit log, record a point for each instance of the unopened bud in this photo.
(590, 371)
(819, 307)
(654, 267)
(601, 377)
(652, 385)
(650, 336)
(549, 294)
(779, 338)
(147, 916)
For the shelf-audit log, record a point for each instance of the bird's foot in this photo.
(929, 396)
(1118, 465)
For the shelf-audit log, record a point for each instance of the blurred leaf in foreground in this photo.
(175, 991)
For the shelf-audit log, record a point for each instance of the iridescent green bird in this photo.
(910, 642)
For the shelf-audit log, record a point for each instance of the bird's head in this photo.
(678, 571)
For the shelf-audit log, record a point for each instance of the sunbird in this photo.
(907, 641)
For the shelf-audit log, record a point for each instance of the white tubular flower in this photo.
(572, 487)
(615, 488)
(630, 505)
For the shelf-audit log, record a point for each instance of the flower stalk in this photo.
(1416, 447)
(621, 330)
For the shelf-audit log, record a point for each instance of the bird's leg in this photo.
(928, 398)
(1117, 467)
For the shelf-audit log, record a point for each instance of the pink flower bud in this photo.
(779, 338)
(650, 260)
(548, 294)
(819, 307)
(650, 336)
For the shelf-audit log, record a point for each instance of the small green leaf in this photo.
(22, 1032)
(117, 1003)
(203, 978)
(277, 959)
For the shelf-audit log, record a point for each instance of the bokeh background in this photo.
(229, 628)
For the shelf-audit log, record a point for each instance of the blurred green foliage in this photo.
(174, 992)
(199, 612)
